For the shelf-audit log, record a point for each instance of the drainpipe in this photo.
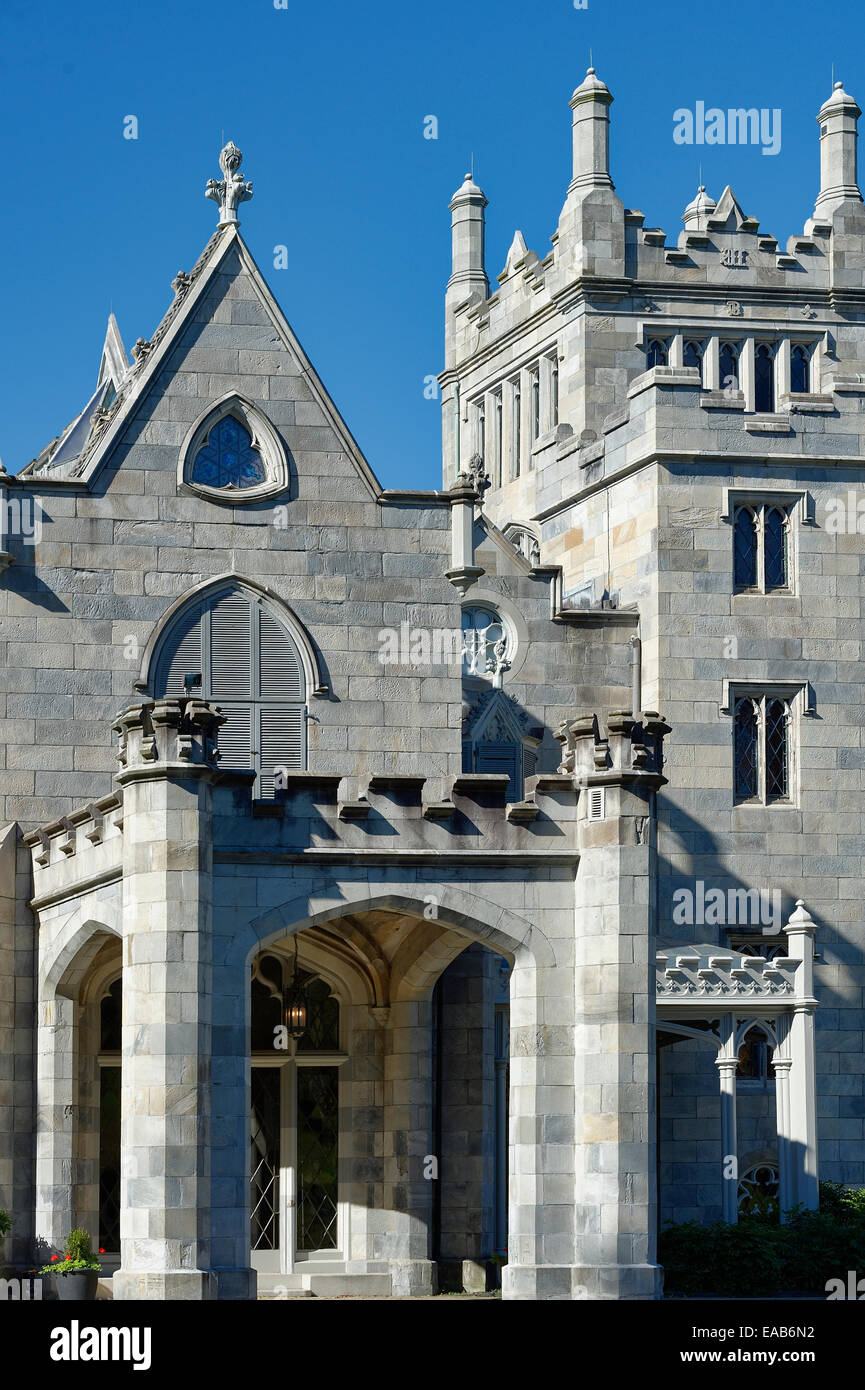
(636, 677)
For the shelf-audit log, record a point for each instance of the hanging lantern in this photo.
(294, 1002)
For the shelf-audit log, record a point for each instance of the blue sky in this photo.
(328, 103)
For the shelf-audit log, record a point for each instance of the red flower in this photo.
(69, 1257)
(55, 1257)
(101, 1251)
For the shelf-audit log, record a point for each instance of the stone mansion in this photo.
(393, 883)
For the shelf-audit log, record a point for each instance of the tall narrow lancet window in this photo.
(497, 442)
(777, 751)
(554, 393)
(775, 526)
(536, 405)
(728, 367)
(249, 665)
(764, 379)
(516, 435)
(761, 547)
(657, 354)
(228, 458)
(745, 750)
(762, 748)
(693, 356)
(745, 549)
(800, 368)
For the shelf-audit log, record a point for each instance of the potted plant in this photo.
(76, 1274)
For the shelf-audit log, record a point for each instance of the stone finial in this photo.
(231, 190)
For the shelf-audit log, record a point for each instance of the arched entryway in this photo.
(378, 1139)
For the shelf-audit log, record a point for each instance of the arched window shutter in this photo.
(252, 669)
(231, 672)
(281, 671)
(181, 655)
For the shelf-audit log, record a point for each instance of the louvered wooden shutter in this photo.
(282, 742)
(502, 757)
(250, 668)
(281, 673)
(181, 655)
(230, 675)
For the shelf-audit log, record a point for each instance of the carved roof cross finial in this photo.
(231, 190)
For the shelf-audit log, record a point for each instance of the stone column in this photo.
(56, 1114)
(727, 1063)
(183, 1169)
(786, 1157)
(403, 1238)
(616, 1206)
(801, 930)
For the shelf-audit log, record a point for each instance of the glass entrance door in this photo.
(293, 1163)
(317, 1155)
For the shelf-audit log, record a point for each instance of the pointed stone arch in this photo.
(266, 441)
(315, 682)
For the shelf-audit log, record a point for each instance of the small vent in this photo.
(596, 803)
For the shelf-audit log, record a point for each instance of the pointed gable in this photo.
(224, 333)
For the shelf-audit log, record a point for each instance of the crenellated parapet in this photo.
(162, 737)
(626, 749)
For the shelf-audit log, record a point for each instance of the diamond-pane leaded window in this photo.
(228, 458)
(762, 731)
(775, 547)
(777, 751)
(761, 546)
(317, 1137)
(745, 548)
(745, 734)
(264, 1158)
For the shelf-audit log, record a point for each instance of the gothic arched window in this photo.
(745, 750)
(764, 380)
(800, 368)
(777, 751)
(745, 549)
(657, 353)
(728, 367)
(233, 454)
(693, 355)
(762, 743)
(228, 457)
(775, 526)
(248, 664)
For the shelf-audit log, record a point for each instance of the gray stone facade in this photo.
(465, 765)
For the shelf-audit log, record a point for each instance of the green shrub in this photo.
(5, 1223)
(758, 1256)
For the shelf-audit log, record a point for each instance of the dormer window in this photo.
(229, 458)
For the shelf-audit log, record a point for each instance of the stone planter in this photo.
(78, 1287)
